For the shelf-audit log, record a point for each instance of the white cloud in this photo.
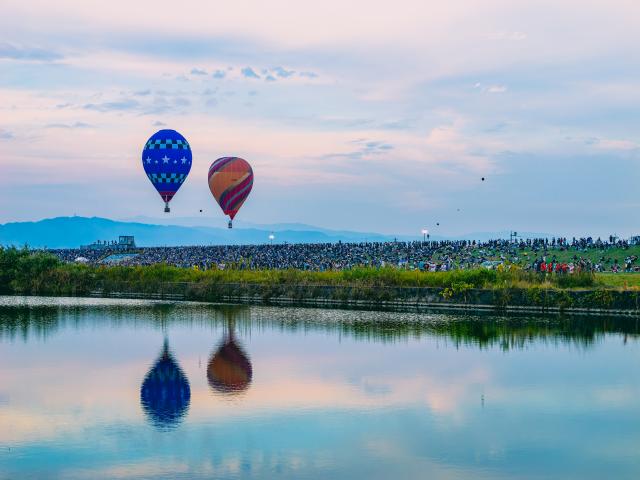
(610, 144)
(497, 89)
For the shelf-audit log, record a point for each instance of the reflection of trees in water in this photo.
(483, 331)
(28, 322)
(165, 392)
(517, 333)
(229, 369)
(42, 321)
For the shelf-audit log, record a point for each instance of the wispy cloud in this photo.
(181, 102)
(497, 89)
(69, 125)
(308, 74)
(219, 74)
(490, 88)
(198, 71)
(5, 134)
(118, 105)
(19, 52)
(365, 149)
(282, 73)
(248, 72)
(612, 144)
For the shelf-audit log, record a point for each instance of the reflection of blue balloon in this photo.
(166, 158)
(165, 392)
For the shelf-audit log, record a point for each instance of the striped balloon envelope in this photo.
(230, 182)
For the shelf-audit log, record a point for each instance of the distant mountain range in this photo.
(71, 232)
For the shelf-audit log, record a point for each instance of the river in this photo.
(95, 388)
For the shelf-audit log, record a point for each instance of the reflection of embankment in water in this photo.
(229, 370)
(165, 392)
(483, 331)
(37, 318)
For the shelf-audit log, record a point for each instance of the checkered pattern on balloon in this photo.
(167, 159)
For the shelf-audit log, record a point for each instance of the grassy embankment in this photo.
(24, 272)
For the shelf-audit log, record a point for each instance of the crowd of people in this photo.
(532, 254)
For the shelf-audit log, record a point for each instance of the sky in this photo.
(361, 115)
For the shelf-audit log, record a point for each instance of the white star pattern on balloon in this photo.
(165, 159)
(149, 160)
(184, 160)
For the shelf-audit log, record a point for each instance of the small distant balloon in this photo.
(483, 179)
(438, 224)
(200, 210)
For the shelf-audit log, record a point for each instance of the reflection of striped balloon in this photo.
(230, 182)
(229, 369)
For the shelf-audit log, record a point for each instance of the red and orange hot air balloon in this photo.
(230, 182)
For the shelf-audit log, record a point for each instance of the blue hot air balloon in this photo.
(166, 158)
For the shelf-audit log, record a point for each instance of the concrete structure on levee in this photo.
(124, 243)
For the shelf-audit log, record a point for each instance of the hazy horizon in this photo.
(261, 230)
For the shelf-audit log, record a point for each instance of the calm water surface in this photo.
(133, 389)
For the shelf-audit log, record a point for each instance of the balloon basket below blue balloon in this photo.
(166, 208)
(230, 224)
